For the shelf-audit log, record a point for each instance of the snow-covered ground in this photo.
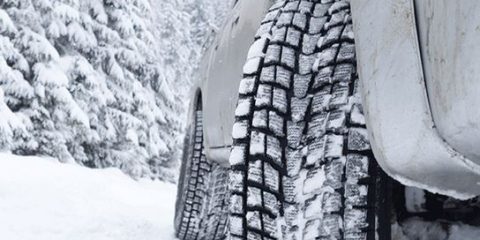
(41, 199)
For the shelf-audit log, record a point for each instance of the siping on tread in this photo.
(301, 158)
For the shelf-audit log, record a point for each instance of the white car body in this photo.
(418, 66)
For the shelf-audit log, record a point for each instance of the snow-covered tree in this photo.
(93, 81)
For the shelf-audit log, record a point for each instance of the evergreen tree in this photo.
(92, 82)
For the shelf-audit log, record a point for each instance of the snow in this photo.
(41, 199)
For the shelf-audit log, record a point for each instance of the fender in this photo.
(402, 131)
(223, 73)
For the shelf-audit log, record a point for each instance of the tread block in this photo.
(279, 34)
(291, 214)
(348, 34)
(236, 204)
(255, 172)
(305, 7)
(268, 74)
(357, 167)
(252, 66)
(273, 53)
(336, 19)
(257, 143)
(247, 85)
(295, 133)
(240, 129)
(284, 77)
(300, 21)
(293, 37)
(334, 146)
(236, 225)
(355, 220)
(337, 121)
(294, 161)
(316, 25)
(236, 181)
(276, 123)
(260, 118)
(332, 202)
(339, 96)
(238, 155)
(327, 57)
(277, 5)
(254, 197)
(333, 35)
(299, 108)
(306, 63)
(270, 16)
(321, 9)
(264, 29)
(285, 19)
(343, 73)
(358, 139)
(338, 6)
(244, 107)
(334, 172)
(316, 151)
(300, 85)
(317, 125)
(257, 48)
(271, 202)
(356, 195)
(253, 220)
(270, 225)
(346, 52)
(272, 178)
(288, 57)
(274, 150)
(291, 6)
(280, 100)
(309, 43)
(323, 77)
(263, 98)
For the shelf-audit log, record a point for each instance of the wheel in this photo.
(201, 209)
(302, 167)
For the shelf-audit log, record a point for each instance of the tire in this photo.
(302, 167)
(201, 210)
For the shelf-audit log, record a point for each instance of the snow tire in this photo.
(301, 163)
(202, 204)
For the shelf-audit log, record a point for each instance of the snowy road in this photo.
(41, 199)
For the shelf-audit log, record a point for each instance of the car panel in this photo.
(449, 40)
(224, 73)
(403, 136)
